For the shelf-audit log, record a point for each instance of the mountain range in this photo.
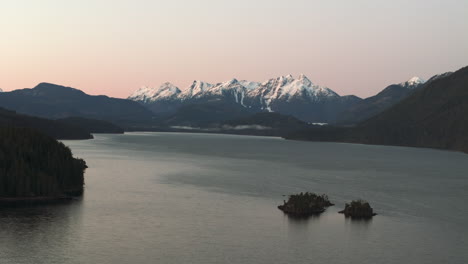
(434, 116)
(55, 101)
(413, 113)
(298, 97)
(203, 104)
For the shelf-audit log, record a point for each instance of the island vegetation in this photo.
(358, 209)
(305, 204)
(36, 168)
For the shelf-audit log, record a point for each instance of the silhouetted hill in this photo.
(37, 167)
(53, 128)
(270, 120)
(265, 124)
(206, 113)
(193, 119)
(93, 125)
(374, 105)
(434, 116)
(55, 101)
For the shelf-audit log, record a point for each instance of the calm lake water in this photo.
(197, 198)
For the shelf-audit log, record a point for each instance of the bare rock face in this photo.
(305, 204)
(358, 209)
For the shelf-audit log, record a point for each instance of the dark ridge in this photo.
(93, 125)
(267, 119)
(374, 105)
(434, 116)
(206, 113)
(52, 128)
(53, 101)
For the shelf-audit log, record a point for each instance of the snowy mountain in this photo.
(298, 97)
(412, 83)
(145, 94)
(196, 90)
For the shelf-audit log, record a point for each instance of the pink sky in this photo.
(114, 47)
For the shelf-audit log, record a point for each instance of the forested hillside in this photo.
(36, 165)
(435, 116)
(53, 128)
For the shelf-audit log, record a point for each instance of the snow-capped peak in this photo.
(249, 85)
(231, 82)
(1, 90)
(303, 79)
(248, 94)
(303, 86)
(413, 82)
(196, 89)
(147, 94)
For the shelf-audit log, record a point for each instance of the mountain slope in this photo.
(55, 101)
(205, 114)
(266, 120)
(378, 103)
(434, 116)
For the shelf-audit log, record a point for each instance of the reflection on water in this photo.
(358, 223)
(27, 231)
(182, 198)
(302, 218)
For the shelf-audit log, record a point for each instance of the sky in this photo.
(115, 47)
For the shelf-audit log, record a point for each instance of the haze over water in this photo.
(196, 198)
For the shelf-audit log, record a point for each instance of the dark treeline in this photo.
(92, 125)
(53, 128)
(35, 165)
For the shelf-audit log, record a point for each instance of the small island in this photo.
(358, 209)
(37, 169)
(305, 204)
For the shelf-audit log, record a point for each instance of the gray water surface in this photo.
(203, 198)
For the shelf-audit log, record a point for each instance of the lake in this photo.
(205, 198)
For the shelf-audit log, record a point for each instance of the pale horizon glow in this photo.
(115, 47)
